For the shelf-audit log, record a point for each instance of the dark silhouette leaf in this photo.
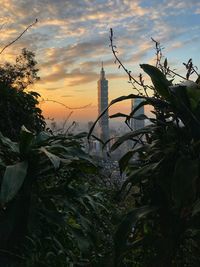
(12, 181)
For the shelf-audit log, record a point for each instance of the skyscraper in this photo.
(137, 124)
(102, 104)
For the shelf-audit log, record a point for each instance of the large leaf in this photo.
(42, 138)
(80, 135)
(8, 143)
(119, 115)
(55, 160)
(123, 162)
(131, 135)
(26, 139)
(12, 180)
(140, 174)
(159, 80)
(183, 107)
(193, 93)
(141, 104)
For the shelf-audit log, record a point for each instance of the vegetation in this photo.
(17, 106)
(162, 170)
(54, 207)
(50, 202)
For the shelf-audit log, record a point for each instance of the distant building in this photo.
(137, 124)
(102, 104)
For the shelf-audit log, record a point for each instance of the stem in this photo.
(15, 40)
(131, 78)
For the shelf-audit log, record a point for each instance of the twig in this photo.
(159, 56)
(54, 101)
(12, 42)
(176, 74)
(132, 80)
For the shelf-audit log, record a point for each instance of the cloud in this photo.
(72, 37)
(53, 88)
(77, 78)
(67, 96)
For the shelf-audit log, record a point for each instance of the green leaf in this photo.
(117, 115)
(130, 135)
(159, 80)
(123, 162)
(42, 137)
(8, 143)
(193, 92)
(165, 63)
(141, 104)
(80, 135)
(26, 139)
(183, 106)
(12, 181)
(55, 160)
(140, 174)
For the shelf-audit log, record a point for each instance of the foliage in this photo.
(162, 170)
(18, 107)
(22, 73)
(51, 206)
(55, 211)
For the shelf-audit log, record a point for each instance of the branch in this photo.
(176, 74)
(15, 40)
(163, 67)
(132, 80)
(57, 102)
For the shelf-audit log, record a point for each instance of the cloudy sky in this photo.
(71, 39)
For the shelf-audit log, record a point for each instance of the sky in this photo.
(71, 39)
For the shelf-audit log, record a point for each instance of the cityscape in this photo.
(103, 131)
(99, 133)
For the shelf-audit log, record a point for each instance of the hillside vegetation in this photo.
(55, 208)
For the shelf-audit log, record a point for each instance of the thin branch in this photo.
(15, 40)
(159, 56)
(54, 101)
(132, 80)
(176, 74)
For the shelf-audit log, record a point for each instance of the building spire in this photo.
(102, 72)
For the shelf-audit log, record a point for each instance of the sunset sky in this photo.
(71, 39)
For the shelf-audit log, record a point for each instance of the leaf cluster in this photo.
(52, 210)
(17, 106)
(162, 172)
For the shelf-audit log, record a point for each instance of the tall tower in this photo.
(137, 124)
(102, 104)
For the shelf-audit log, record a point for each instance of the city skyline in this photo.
(71, 39)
